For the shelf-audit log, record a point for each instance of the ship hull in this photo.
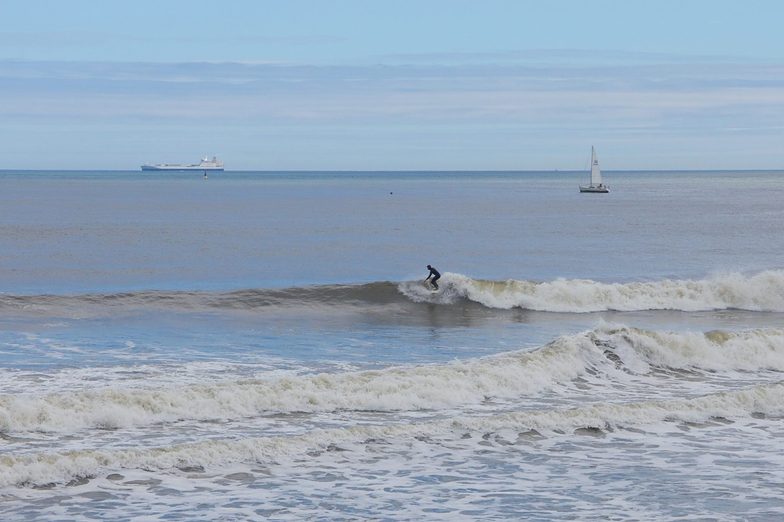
(181, 168)
(600, 189)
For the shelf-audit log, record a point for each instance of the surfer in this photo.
(435, 275)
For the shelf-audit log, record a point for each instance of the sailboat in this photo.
(596, 177)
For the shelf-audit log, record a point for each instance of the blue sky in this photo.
(364, 84)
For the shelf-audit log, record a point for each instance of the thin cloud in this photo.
(558, 56)
(410, 77)
(482, 104)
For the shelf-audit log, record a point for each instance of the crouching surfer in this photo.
(435, 274)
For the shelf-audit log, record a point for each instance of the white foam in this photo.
(426, 387)
(393, 389)
(44, 468)
(763, 291)
(746, 350)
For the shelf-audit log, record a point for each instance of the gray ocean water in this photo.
(260, 344)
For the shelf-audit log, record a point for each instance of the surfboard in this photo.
(429, 286)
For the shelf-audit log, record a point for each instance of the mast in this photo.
(596, 174)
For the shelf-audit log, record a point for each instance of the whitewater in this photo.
(262, 345)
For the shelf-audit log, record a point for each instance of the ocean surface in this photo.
(261, 344)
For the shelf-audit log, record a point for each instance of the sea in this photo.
(261, 345)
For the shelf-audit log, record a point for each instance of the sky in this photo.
(393, 85)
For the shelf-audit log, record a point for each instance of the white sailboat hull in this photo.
(600, 189)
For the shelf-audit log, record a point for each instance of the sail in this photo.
(596, 174)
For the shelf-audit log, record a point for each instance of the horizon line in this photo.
(327, 171)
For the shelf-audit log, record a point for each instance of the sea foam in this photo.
(45, 468)
(763, 292)
(595, 353)
(420, 387)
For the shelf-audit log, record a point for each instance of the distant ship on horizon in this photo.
(205, 164)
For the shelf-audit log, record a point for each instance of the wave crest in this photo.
(603, 356)
(47, 468)
(761, 292)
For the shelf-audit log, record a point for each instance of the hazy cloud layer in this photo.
(446, 106)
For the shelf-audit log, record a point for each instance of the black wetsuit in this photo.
(435, 275)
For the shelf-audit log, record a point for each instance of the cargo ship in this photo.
(205, 164)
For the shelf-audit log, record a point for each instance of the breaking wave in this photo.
(48, 468)
(761, 292)
(601, 355)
